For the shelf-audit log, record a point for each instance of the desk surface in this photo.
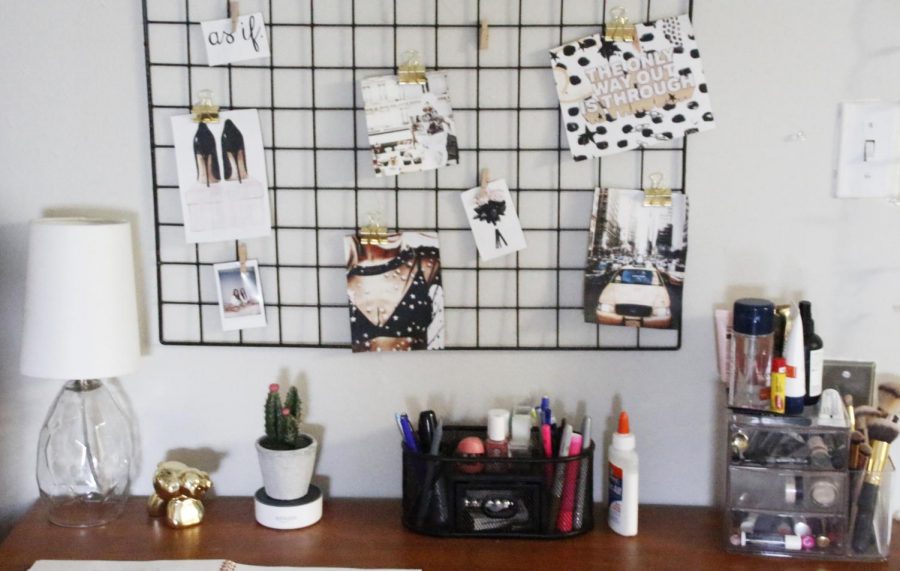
(368, 533)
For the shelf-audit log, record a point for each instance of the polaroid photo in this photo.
(222, 177)
(636, 260)
(395, 292)
(410, 126)
(240, 296)
(492, 216)
(224, 45)
(617, 96)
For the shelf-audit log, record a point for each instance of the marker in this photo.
(409, 437)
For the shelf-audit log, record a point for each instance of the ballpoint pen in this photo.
(409, 437)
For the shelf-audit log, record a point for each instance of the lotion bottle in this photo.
(795, 385)
(623, 480)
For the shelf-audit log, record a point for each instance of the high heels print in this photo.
(205, 156)
(233, 152)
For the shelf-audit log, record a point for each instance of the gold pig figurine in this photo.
(179, 489)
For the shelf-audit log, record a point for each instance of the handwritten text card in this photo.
(248, 41)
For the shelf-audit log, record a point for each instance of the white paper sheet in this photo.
(248, 41)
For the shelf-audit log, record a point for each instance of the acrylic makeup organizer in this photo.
(322, 185)
(449, 496)
(775, 487)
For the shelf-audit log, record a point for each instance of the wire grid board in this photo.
(321, 180)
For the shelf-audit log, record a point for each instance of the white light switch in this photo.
(869, 155)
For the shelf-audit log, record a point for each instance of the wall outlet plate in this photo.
(856, 378)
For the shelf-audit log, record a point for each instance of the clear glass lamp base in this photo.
(85, 456)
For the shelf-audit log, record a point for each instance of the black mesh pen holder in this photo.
(526, 496)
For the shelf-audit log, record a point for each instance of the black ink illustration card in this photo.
(395, 291)
(636, 260)
(410, 126)
(492, 216)
(617, 96)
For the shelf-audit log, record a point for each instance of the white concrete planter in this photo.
(286, 473)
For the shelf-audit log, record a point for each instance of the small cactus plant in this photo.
(283, 421)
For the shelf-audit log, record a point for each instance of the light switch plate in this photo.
(851, 377)
(869, 153)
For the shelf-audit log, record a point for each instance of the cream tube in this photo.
(723, 336)
(795, 388)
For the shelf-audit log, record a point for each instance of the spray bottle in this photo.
(623, 480)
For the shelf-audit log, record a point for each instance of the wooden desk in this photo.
(368, 533)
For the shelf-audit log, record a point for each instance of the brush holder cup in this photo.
(526, 496)
(790, 494)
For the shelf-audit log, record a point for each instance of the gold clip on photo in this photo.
(656, 194)
(412, 71)
(620, 29)
(375, 232)
(204, 110)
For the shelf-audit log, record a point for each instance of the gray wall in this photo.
(74, 138)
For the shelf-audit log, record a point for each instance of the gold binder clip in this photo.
(234, 10)
(242, 257)
(374, 232)
(412, 71)
(620, 30)
(656, 194)
(204, 110)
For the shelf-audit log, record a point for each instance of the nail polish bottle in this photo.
(497, 443)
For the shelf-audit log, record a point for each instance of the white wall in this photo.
(74, 137)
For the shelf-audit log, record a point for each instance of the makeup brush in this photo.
(865, 452)
(865, 414)
(889, 400)
(848, 402)
(881, 434)
(856, 439)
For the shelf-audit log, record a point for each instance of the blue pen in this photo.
(548, 417)
(408, 435)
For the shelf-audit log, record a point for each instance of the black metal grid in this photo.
(188, 313)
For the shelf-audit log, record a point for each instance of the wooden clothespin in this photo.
(620, 30)
(485, 38)
(242, 257)
(204, 110)
(412, 71)
(485, 180)
(234, 9)
(657, 194)
(375, 232)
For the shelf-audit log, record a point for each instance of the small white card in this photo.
(492, 216)
(248, 41)
(240, 295)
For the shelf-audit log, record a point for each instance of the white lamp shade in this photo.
(80, 300)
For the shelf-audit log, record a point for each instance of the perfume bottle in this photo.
(497, 443)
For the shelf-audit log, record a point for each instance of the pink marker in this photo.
(564, 521)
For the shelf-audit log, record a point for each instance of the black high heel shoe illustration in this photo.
(205, 155)
(233, 153)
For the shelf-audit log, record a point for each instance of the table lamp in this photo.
(81, 325)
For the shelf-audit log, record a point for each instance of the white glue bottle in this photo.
(623, 480)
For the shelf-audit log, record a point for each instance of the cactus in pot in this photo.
(286, 454)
